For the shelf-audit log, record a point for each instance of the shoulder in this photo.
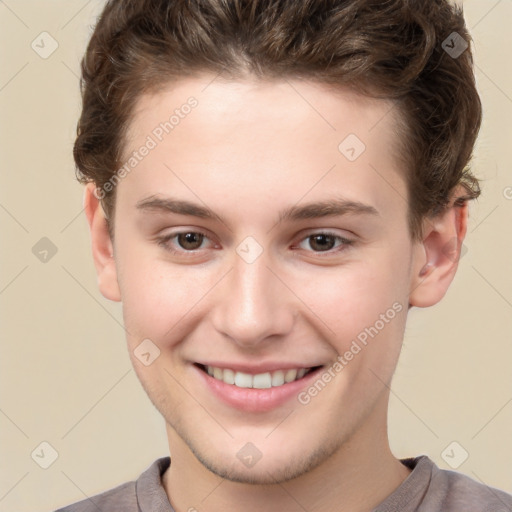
(431, 489)
(452, 490)
(127, 496)
(122, 497)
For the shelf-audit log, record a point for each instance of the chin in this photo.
(271, 468)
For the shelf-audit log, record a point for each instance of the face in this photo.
(259, 241)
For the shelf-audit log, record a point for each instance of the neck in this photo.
(356, 477)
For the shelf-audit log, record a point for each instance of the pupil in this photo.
(323, 247)
(190, 238)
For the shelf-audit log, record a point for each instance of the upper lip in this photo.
(257, 368)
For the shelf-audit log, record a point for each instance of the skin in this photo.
(249, 150)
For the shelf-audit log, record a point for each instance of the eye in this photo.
(326, 241)
(187, 241)
(184, 242)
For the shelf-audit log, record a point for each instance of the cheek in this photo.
(159, 298)
(366, 311)
(363, 302)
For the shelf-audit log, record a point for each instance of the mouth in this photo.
(264, 380)
(253, 392)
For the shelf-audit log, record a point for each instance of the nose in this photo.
(253, 305)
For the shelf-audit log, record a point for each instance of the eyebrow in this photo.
(314, 210)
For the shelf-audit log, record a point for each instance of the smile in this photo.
(265, 380)
(255, 392)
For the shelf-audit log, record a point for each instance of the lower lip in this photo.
(256, 400)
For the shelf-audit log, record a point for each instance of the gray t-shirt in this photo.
(426, 489)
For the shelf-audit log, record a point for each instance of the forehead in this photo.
(263, 106)
(285, 135)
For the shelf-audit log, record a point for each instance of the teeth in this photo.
(290, 375)
(278, 378)
(229, 376)
(262, 381)
(242, 380)
(259, 381)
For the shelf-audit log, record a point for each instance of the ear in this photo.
(436, 257)
(102, 247)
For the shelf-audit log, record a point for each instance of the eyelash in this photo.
(345, 242)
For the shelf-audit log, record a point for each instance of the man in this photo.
(271, 186)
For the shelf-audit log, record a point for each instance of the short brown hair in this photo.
(393, 49)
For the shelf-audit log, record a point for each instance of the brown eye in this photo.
(182, 242)
(322, 242)
(190, 241)
(325, 242)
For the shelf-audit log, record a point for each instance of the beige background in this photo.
(65, 374)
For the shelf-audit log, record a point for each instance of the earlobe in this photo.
(436, 257)
(102, 247)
